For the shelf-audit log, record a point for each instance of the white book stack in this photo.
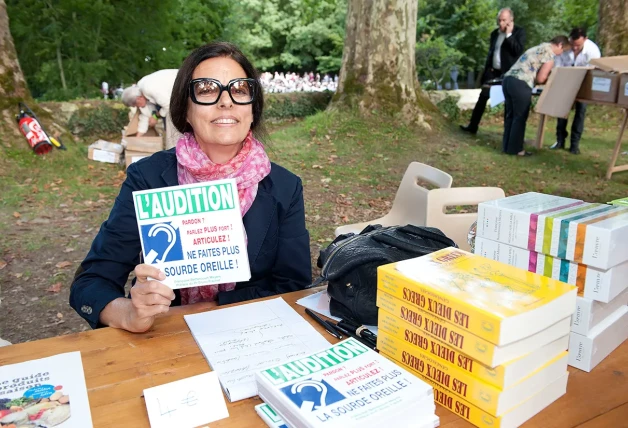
(346, 385)
(576, 242)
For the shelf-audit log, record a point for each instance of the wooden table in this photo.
(622, 127)
(119, 365)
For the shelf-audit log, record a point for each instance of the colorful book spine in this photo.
(388, 324)
(487, 397)
(554, 227)
(514, 220)
(449, 334)
(599, 240)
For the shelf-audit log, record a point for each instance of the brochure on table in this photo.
(194, 233)
(240, 340)
(49, 392)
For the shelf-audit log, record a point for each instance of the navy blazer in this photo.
(512, 48)
(278, 241)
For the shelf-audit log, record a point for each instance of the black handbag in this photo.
(349, 265)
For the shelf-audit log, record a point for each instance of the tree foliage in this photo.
(290, 35)
(463, 25)
(68, 47)
(434, 60)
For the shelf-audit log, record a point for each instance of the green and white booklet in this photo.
(194, 233)
(346, 385)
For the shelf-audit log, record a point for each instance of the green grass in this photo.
(350, 167)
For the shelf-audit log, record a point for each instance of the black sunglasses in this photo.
(207, 91)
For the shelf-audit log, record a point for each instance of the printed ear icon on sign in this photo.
(309, 405)
(162, 243)
(171, 237)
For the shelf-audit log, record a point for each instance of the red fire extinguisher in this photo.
(35, 135)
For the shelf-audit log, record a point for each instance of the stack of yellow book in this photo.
(490, 338)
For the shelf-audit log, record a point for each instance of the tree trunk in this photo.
(613, 27)
(378, 66)
(12, 83)
(60, 62)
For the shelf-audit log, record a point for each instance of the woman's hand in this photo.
(149, 298)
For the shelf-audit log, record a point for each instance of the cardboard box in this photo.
(622, 94)
(105, 151)
(560, 91)
(595, 284)
(143, 144)
(131, 156)
(566, 83)
(590, 313)
(150, 142)
(586, 352)
(599, 85)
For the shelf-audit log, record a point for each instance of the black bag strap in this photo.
(398, 240)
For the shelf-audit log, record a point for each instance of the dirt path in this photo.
(41, 252)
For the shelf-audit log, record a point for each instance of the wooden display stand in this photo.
(612, 167)
(569, 84)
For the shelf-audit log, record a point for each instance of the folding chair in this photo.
(456, 226)
(409, 206)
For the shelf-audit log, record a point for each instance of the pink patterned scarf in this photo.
(248, 167)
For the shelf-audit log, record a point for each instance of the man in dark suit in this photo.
(507, 45)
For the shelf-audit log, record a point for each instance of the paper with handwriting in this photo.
(241, 340)
(186, 403)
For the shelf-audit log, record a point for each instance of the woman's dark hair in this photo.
(180, 90)
(561, 40)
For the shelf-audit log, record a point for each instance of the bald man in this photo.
(507, 44)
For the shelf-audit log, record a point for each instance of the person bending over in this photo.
(532, 67)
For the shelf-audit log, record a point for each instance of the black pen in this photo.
(362, 340)
(328, 328)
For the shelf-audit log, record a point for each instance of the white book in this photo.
(598, 284)
(514, 220)
(586, 352)
(589, 313)
(48, 392)
(600, 240)
(346, 385)
(548, 224)
(240, 340)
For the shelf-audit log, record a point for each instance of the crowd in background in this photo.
(293, 82)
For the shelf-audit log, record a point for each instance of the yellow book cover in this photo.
(447, 333)
(482, 419)
(487, 397)
(502, 376)
(469, 344)
(497, 302)
(387, 323)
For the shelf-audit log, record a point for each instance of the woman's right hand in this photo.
(149, 298)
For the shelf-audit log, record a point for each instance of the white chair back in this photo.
(410, 203)
(456, 225)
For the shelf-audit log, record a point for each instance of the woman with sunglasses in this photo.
(217, 104)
